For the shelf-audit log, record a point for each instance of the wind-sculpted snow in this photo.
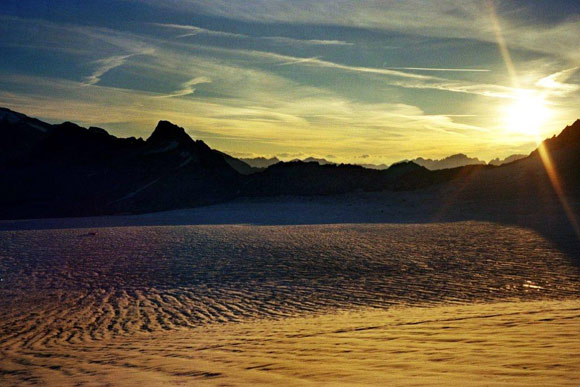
(179, 304)
(75, 285)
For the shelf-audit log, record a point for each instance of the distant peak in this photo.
(457, 156)
(69, 127)
(407, 164)
(166, 131)
(98, 131)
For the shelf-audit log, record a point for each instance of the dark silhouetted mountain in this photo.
(75, 171)
(507, 160)
(311, 178)
(563, 151)
(67, 170)
(530, 177)
(239, 165)
(375, 166)
(260, 162)
(320, 161)
(569, 138)
(19, 135)
(454, 161)
(167, 134)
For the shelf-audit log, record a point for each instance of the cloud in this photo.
(317, 62)
(458, 19)
(187, 87)
(439, 69)
(76, 41)
(194, 30)
(556, 83)
(313, 42)
(394, 77)
(299, 61)
(303, 124)
(105, 65)
(138, 45)
(397, 78)
(286, 155)
(255, 106)
(486, 90)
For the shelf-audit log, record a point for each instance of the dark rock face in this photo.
(67, 170)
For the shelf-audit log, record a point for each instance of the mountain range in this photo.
(67, 170)
(453, 161)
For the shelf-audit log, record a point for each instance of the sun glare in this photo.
(527, 113)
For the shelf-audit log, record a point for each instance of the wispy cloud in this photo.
(138, 45)
(263, 124)
(393, 77)
(556, 83)
(316, 61)
(187, 87)
(256, 103)
(299, 61)
(439, 69)
(104, 65)
(313, 42)
(194, 30)
(107, 64)
(461, 19)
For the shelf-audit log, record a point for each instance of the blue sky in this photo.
(375, 80)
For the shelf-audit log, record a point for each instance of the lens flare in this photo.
(556, 184)
(527, 115)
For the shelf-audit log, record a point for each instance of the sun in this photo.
(527, 113)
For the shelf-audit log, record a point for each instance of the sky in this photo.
(350, 81)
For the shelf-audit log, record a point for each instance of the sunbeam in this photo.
(527, 115)
(556, 184)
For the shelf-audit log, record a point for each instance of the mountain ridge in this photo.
(453, 161)
(68, 170)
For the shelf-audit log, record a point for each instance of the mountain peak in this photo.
(166, 132)
(569, 137)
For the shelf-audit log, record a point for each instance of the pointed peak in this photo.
(569, 137)
(167, 127)
(166, 131)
